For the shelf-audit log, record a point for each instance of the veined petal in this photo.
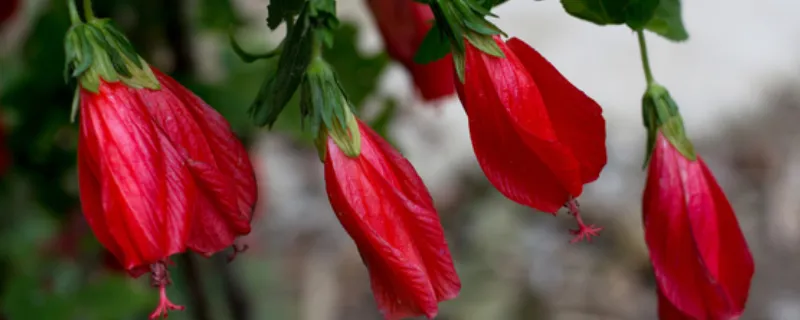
(688, 228)
(577, 119)
(399, 175)
(216, 159)
(145, 189)
(380, 205)
(728, 249)
(511, 133)
(91, 202)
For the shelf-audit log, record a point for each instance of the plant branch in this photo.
(234, 293)
(199, 303)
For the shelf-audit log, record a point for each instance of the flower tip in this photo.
(584, 232)
(164, 305)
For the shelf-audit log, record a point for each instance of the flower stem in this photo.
(87, 10)
(648, 74)
(74, 17)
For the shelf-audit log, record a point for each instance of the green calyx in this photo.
(458, 21)
(329, 113)
(96, 50)
(660, 114)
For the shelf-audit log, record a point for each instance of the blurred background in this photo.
(737, 81)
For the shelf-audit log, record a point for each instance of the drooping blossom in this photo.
(702, 263)
(536, 136)
(403, 25)
(387, 210)
(160, 171)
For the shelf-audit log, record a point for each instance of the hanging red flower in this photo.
(537, 137)
(403, 25)
(160, 171)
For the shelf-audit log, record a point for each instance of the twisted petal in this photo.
(384, 206)
(577, 119)
(135, 190)
(218, 163)
(512, 134)
(702, 263)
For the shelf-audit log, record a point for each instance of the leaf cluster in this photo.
(662, 17)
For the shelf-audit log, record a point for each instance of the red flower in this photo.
(404, 24)
(384, 206)
(702, 263)
(160, 172)
(537, 138)
(7, 10)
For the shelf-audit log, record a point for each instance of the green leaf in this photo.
(667, 21)
(601, 12)
(434, 47)
(280, 10)
(639, 12)
(459, 59)
(292, 65)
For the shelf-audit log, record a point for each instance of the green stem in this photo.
(251, 57)
(87, 10)
(74, 17)
(316, 46)
(648, 74)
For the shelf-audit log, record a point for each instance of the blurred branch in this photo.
(234, 293)
(176, 29)
(197, 293)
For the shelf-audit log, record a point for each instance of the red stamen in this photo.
(159, 278)
(584, 231)
(236, 250)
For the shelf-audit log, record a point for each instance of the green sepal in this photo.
(660, 114)
(279, 87)
(327, 110)
(485, 44)
(459, 61)
(96, 50)
(434, 46)
(458, 21)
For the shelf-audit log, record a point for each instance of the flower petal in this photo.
(385, 208)
(576, 118)
(145, 189)
(511, 134)
(217, 160)
(688, 227)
